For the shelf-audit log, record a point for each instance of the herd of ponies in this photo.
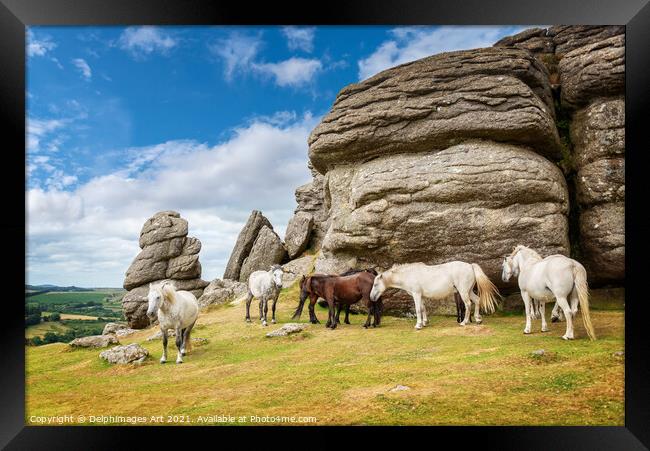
(541, 280)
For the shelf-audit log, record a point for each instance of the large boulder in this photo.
(135, 302)
(167, 254)
(472, 202)
(593, 71)
(267, 250)
(298, 233)
(220, 292)
(244, 244)
(310, 199)
(598, 135)
(570, 37)
(297, 268)
(500, 94)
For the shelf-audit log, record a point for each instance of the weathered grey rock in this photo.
(131, 353)
(602, 240)
(220, 292)
(124, 332)
(570, 37)
(535, 40)
(267, 250)
(502, 94)
(135, 302)
(297, 268)
(472, 202)
(244, 244)
(152, 262)
(287, 329)
(399, 387)
(593, 71)
(184, 267)
(598, 135)
(538, 352)
(310, 199)
(163, 226)
(298, 233)
(94, 341)
(111, 328)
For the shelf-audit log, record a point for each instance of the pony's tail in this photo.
(487, 291)
(582, 289)
(301, 305)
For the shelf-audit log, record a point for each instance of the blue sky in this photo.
(209, 121)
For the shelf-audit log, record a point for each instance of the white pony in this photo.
(438, 282)
(264, 285)
(176, 310)
(544, 279)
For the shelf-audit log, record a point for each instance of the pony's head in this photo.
(378, 287)
(277, 272)
(156, 297)
(510, 268)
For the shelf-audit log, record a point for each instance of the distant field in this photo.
(55, 297)
(65, 316)
(38, 330)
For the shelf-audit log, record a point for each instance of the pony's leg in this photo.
(573, 298)
(417, 298)
(163, 359)
(183, 341)
(312, 313)
(186, 339)
(249, 298)
(528, 307)
(179, 345)
(556, 313)
(564, 305)
(425, 319)
(468, 307)
(275, 300)
(338, 313)
(265, 302)
(460, 312)
(332, 317)
(477, 307)
(542, 313)
(347, 314)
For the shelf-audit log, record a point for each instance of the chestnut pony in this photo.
(346, 289)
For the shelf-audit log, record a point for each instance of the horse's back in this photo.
(189, 299)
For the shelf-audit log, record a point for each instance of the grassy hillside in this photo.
(462, 376)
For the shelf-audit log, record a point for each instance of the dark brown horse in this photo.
(342, 290)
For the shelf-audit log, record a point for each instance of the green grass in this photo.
(469, 375)
(67, 297)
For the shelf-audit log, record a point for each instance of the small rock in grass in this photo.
(539, 352)
(94, 341)
(400, 388)
(619, 354)
(131, 353)
(289, 328)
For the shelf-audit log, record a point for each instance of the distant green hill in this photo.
(48, 287)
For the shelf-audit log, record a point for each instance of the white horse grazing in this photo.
(438, 282)
(264, 285)
(544, 279)
(176, 310)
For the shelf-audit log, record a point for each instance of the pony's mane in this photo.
(400, 266)
(160, 286)
(527, 250)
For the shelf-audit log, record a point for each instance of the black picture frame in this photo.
(15, 15)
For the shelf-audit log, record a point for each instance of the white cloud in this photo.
(291, 72)
(38, 129)
(38, 47)
(412, 43)
(142, 41)
(88, 235)
(237, 51)
(83, 67)
(299, 38)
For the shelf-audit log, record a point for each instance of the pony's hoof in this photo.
(264, 323)
(163, 361)
(418, 327)
(248, 320)
(526, 332)
(545, 330)
(179, 361)
(272, 321)
(565, 337)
